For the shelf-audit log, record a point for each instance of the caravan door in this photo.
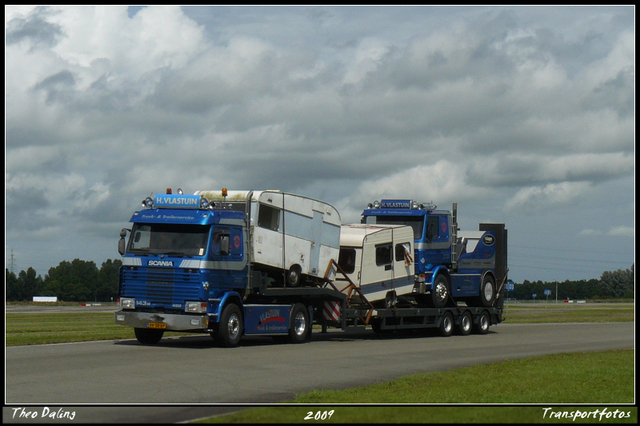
(377, 265)
(267, 234)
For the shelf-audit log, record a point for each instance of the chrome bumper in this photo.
(174, 322)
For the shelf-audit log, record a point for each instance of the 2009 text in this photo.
(320, 415)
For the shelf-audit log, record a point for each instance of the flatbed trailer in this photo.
(352, 311)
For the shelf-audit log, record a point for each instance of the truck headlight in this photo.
(195, 307)
(127, 303)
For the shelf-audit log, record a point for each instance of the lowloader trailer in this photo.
(204, 263)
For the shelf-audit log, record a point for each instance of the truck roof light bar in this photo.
(402, 204)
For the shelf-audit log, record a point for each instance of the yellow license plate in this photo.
(157, 325)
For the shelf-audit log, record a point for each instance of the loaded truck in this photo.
(269, 263)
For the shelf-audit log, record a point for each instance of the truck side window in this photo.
(347, 260)
(268, 217)
(383, 254)
(432, 228)
(221, 242)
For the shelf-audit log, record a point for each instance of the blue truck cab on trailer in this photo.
(190, 264)
(448, 266)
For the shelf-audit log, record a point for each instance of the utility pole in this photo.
(12, 264)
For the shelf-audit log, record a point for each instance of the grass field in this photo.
(62, 327)
(603, 379)
(568, 312)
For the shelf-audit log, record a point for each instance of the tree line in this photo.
(76, 281)
(82, 281)
(611, 285)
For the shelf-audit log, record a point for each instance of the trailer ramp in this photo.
(356, 302)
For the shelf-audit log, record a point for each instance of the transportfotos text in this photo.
(549, 413)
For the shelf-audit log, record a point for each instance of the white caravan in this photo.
(378, 259)
(288, 233)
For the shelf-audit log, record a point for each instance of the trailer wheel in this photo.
(446, 324)
(484, 322)
(147, 336)
(230, 329)
(390, 300)
(440, 291)
(300, 329)
(487, 291)
(466, 323)
(293, 276)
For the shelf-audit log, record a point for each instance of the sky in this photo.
(521, 115)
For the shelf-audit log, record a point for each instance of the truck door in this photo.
(437, 243)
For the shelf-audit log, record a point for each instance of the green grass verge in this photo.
(565, 312)
(36, 329)
(588, 378)
(63, 327)
(580, 378)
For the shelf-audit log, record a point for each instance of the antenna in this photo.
(12, 263)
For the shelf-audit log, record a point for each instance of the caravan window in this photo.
(347, 260)
(269, 217)
(383, 254)
(401, 250)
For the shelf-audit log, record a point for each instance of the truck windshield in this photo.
(416, 222)
(170, 239)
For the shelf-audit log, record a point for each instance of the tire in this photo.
(376, 326)
(294, 275)
(230, 328)
(147, 336)
(483, 324)
(440, 291)
(300, 329)
(466, 324)
(487, 291)
(390, 300)
(446, 324)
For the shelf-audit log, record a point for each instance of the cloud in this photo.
(536, 198)
(618, 231)
(510, 109)
(622, 231)
(442, 183)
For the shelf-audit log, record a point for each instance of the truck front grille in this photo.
(163, 286)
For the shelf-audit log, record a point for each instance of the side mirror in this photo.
(122, 242)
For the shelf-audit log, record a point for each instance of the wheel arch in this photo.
(229, 297)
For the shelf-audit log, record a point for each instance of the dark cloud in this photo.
(34, 29)
(504, 110)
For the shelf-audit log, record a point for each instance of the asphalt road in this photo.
(183, 378)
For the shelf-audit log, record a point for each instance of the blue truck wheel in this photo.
(487, 291)
(440, 291)
(231, 326)
(300, 329)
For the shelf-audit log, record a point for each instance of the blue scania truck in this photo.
(267, 263)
